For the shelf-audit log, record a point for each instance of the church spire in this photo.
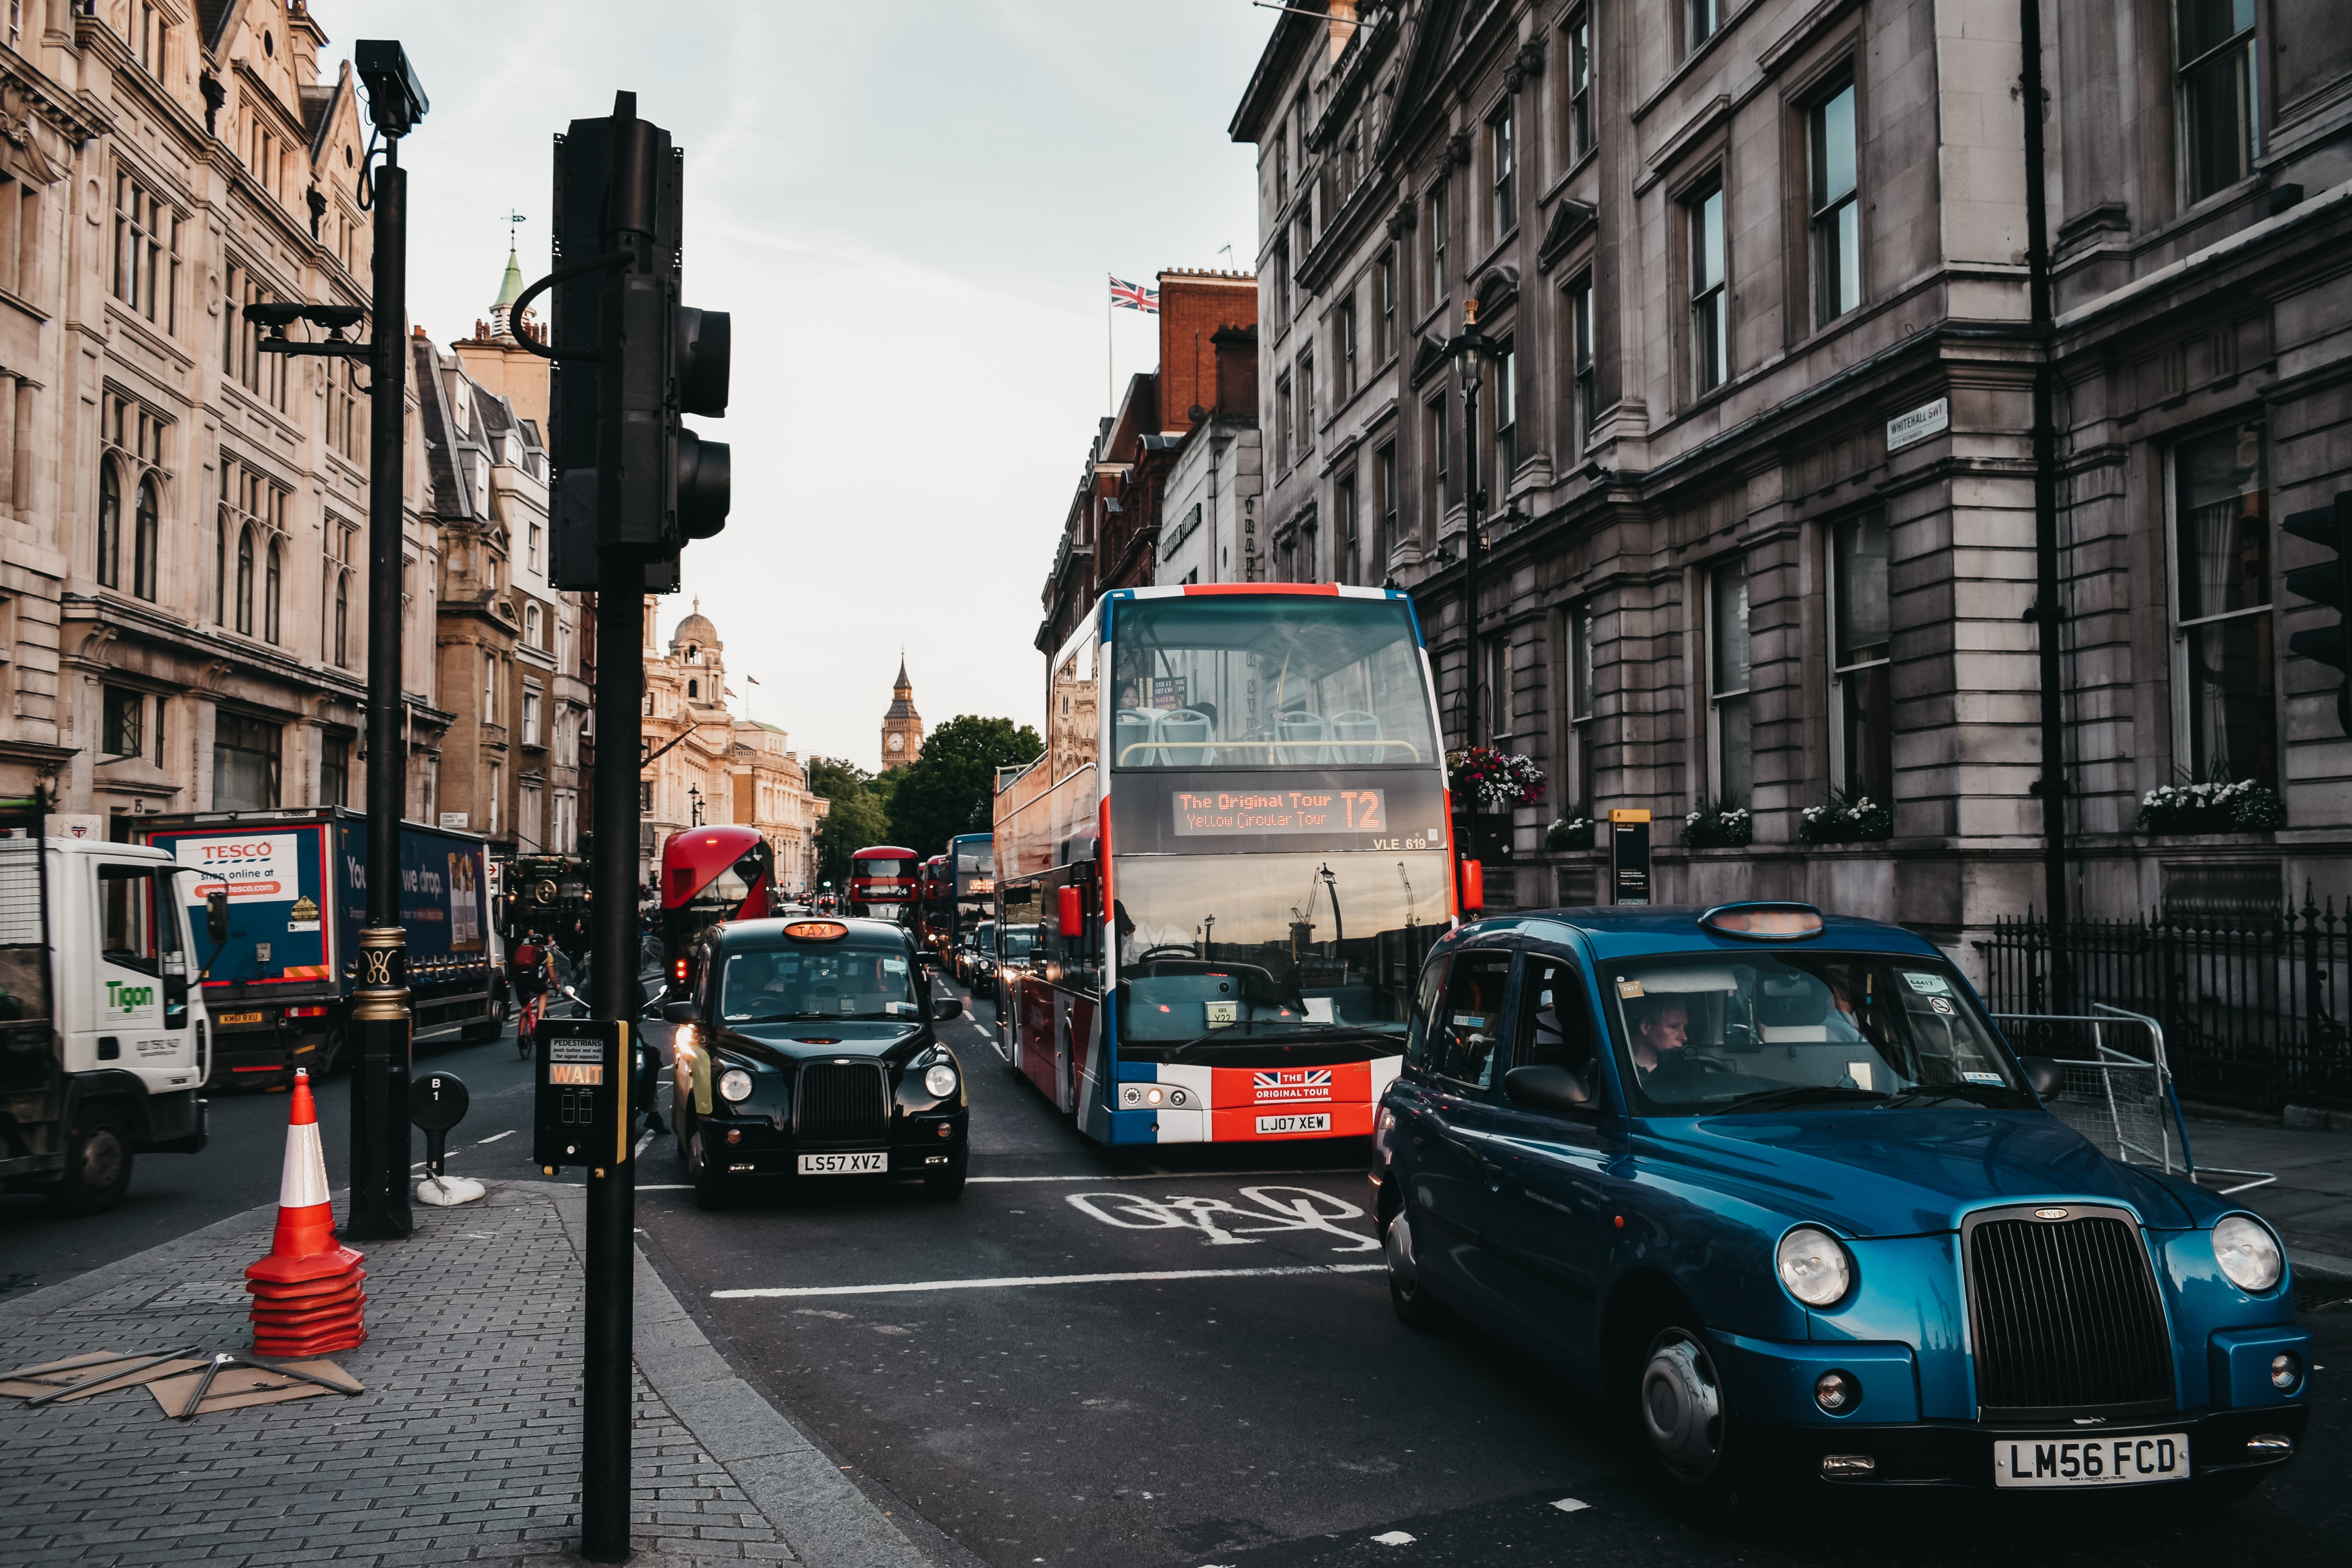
(509, 289)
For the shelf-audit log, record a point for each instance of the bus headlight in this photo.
(735, 1085)
(940, 1080)
(2248, 1253)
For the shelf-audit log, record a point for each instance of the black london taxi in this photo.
(807, 1054)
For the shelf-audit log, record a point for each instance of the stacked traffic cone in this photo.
(306, 1298)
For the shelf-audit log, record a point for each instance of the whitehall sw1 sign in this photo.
(1926, 420)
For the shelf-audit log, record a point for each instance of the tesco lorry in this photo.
(279, 984)
(102, 1029)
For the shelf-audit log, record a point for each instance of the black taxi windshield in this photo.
(1218, 951)
(1015, 942)
(835, 980)
(1737, 1032)
(1288, 680)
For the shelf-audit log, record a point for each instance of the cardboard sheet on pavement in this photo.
(31, 1381)
(238, 1386)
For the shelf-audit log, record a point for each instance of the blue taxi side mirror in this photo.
(946, 1007)
(1547, 1088)
(2043, 1074)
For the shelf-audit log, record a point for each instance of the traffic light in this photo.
(2329, 583)
(631, 361)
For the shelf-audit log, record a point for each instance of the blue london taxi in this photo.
(1775, 1187)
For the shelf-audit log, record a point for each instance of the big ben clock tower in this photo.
(902, 727)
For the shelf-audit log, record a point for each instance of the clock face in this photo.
(897, 743)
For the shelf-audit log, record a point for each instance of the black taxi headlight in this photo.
(735, 1085)
(939, 1080)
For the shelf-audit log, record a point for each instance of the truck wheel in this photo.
(98, 1169)
(330, 1054)
(484, 1030)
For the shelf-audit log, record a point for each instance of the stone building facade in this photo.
(1754, 430)
(183, 594)
(709, 766)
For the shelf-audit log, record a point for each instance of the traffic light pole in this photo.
(382, 1020)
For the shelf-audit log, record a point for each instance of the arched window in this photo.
(220, 570)
(245, 581)
(342, 629)
(269, 587)
(693, 690)
(109, 526)
(145, 538)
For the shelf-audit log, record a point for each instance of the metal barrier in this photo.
(2125, 1104)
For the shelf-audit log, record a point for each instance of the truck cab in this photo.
(103, 1034)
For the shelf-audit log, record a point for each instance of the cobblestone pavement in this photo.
(466, 1447)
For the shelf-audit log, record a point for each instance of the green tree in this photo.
(949, 789)
(854, 819)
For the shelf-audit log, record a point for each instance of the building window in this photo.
(1282, 284)
(334, 770)
(1437, 243)
(1495, 691)
(1282, 163)
(1282, 420)
(1862, 667)
(110, 526)
(1346, 333)
(1348, 564)
(2215, 70)
(264, 376)
(245, 582)
(1312, 574)
(1730, 748)
(1579, 85)
(1704, 16)
(145, 540)
(20, 236)
(1507, 418)
(1837, 211)
(149, 32)
(245, 762)
(489, 688)
(1582, 727)
(146, 253)
(123, 721)
(272, 579)
(1436, 495)
(1710, 332)
(538, 538)
(533, 626)
(497, 794)
(1307, 402)
(1385, 536)
(1507, 209)
(2221, 511)
(529, 717)
(1580, 359)
(1387, 277)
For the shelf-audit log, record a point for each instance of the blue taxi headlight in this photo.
(940, 1080)
(2248, 1253)
(735, 1084)
(1814, 1267)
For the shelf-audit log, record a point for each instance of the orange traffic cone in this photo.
(306, 1298)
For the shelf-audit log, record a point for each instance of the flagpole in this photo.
(1110, 407)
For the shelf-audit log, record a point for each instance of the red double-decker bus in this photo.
(882, 882)
(709, 874)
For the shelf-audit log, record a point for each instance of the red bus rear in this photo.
(881, 882)
(710, 875)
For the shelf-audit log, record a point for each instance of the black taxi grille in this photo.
(841, 1102)
(2066, 1316)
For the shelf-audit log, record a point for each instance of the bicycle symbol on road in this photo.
(1224, 1224)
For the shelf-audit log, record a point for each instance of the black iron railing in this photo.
(2252, 1005)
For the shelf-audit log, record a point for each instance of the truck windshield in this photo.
(1723, 1032)
(1270, 944)
(1288, 681)
(762, 985)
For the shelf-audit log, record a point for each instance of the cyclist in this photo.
(532, 969)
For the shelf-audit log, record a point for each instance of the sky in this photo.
(910, 209)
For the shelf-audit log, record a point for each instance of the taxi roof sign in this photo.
(816, 931)
(1764, 922)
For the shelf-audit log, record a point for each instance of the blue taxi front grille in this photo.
(2066, 1316)
(840, 1102)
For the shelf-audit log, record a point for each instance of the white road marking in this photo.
(496, 1136)
(1162, 1175)
(1570, 1505)
(1299, 1208)
(1012, 1281)
(1393, 1537)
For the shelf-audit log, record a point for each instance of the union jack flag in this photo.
(1134, 295)
(1292, 1077)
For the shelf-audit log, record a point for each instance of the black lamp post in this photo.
(1468, 349)
(694, 794)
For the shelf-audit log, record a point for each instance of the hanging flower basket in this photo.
(1846, 817)
(1726, 824)
(2243, 806)
(1483, 779)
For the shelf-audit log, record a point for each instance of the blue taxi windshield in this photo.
(1708, 1034)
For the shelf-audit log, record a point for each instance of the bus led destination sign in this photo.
(1263, 811)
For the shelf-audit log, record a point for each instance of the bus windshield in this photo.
(1216, 681)
(1265, 946)
(882, 869)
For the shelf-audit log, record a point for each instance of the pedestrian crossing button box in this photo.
(582, 1087)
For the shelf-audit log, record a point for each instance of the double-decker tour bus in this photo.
(970, 865)
(932, 890)
(709, 874)
(1235, 861)
(882, 882)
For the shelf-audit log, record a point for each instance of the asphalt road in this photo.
(1272, 1410)
(1267, 1409)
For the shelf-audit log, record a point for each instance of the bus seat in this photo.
(1356, 727)
(1299, 735)
(1189, 729)
(1131, 728)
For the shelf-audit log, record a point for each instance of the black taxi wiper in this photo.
(1974, 1093)
(1800, 1094)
